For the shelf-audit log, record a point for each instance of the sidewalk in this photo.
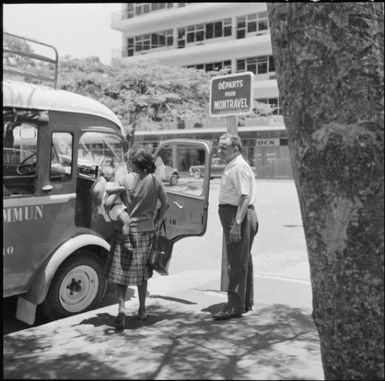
(180, 340)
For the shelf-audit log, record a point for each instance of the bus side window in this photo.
(19, 159)
(61, 156)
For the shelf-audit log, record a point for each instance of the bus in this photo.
(264, 147)
(55, 144)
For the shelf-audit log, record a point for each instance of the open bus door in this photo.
(188, 196)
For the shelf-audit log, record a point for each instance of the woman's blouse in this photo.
(140, 198)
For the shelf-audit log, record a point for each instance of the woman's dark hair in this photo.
(142, 159)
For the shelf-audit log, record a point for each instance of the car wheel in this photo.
(79, 285)
(197, 174)
(173, 179)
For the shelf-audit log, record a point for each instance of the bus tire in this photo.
(78, 286)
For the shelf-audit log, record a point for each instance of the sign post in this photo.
(230, 95)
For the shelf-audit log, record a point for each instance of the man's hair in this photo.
(235, 140)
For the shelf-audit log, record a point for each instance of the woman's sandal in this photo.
(120, 321)
(142, 315)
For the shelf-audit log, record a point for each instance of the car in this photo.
(166, 173)
(217, 168)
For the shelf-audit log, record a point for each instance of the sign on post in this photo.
(231, 94)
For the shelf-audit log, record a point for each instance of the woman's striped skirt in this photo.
(129, 265)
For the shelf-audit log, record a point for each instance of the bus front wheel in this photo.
(78, 286)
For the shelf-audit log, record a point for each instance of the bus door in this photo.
(96, 151)
(39, 197)
(23, 209)
(188, 196)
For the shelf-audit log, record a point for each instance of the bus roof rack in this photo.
(31, 60)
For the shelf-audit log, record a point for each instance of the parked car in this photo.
(217, 167)
(166, 173)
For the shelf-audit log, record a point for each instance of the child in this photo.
(111, 206)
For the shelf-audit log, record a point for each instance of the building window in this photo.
(158, 6)
(271, 64)
(169, 37)
(138, 9)
(274, 104)
(130, 10)
(262, 65)
(149, 41)
(263, 21)
(218, 29)
(130, 47)
(200, 32)
(209, 31)
(227, 29)
(241, 65)
(227, 65)
(241, 27)
(190, 33)
(257, 65)
(252, 24)
(213, 66)
(181, 38)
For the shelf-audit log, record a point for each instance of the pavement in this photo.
(179, 340)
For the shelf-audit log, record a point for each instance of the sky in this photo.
(79, 30)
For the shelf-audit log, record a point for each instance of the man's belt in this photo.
(251, 206)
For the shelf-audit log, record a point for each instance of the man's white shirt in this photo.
(238, 179)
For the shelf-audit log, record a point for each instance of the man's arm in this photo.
(235, 231)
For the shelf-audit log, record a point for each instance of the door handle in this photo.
(178, 205)
(47, 188)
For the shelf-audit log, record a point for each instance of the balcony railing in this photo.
(274, 120)
(122, 15)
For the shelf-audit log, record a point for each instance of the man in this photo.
(237, 196)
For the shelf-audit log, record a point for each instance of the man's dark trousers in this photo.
(239, 260)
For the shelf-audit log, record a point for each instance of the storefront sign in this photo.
(267, 142)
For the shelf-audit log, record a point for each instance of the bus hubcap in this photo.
(79, 288)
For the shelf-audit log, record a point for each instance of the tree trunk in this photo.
(329, 59)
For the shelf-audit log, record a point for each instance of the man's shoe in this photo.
(226, 315)
(248, 308)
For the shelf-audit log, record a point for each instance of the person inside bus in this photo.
(127, 263)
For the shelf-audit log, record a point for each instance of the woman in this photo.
(127, 264)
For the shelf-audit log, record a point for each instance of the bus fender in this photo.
(27, 303)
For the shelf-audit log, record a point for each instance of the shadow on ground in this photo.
(172, 343)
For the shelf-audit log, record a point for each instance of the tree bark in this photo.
(329, 60)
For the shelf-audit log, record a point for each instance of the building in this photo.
(211, 36)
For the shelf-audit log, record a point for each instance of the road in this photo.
(279, 249)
